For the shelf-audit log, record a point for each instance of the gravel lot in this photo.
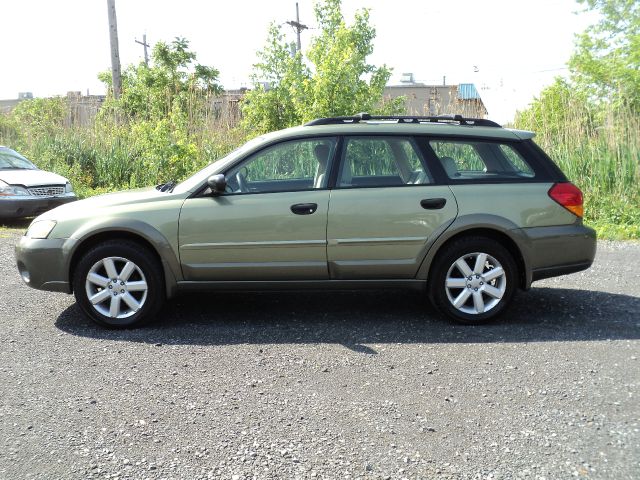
(350, 385)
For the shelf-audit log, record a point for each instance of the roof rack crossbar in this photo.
(364, 117)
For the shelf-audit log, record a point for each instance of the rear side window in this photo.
(469, 160)
(382, 162)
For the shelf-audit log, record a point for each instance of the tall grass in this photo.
(110, 155)
(599, 150)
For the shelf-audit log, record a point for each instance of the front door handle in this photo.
(304, 208)
(433, 203)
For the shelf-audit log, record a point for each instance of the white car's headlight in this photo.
(40, 229)
(7, 190)
(68, 188)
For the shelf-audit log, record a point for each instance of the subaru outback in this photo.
(462, 209)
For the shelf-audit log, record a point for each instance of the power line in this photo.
(299, 27)
(552, 70)
(145, 45)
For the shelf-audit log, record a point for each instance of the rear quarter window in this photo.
(481, 160)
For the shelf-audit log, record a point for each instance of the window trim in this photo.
(546, 170)
(202, 191)
(541, 171)
(335, 173)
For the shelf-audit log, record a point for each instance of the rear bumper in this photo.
(558, 250)
(556, 271)
(29, 206)
(43, 263)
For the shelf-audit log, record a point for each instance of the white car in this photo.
(25, 190)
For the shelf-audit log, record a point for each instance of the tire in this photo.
(134, 298)
(481, 293)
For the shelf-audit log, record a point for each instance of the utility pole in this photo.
(298, 26)
(145, 45)
(115, 56)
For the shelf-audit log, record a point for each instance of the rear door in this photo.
(384, 209)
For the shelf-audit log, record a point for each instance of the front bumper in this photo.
(31, 206)
(43, 263)
(558, 250)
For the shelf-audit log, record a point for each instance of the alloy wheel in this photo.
(116, 287)
(475, 283)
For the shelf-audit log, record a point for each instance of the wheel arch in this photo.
(498, 229)
(138, 232)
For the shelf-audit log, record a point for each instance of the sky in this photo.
(510, 49)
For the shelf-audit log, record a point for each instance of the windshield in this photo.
(200, 177)
(10, 160)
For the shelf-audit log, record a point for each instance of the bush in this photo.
(598, 147)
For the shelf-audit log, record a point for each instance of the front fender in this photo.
(111, 226)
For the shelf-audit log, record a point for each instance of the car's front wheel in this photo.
(119, 284)
(473, 280)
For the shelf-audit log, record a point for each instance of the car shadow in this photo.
(15, 223)
(359, 320)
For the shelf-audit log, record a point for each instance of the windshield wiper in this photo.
(167, 187)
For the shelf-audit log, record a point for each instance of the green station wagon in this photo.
(463, 209)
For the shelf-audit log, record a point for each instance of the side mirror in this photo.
(217, 184)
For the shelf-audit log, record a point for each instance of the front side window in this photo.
(469, 160)
(284, 167)
(381, 162)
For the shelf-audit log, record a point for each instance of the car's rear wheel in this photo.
(473, 280)
(119, 284)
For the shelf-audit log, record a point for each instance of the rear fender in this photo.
(478, 224)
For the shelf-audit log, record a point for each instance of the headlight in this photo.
(40, 229)
(7, 190)
(68, 188)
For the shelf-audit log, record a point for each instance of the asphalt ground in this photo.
(326, 385)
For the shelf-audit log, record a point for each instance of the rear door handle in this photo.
(433, 203)
(304, 208)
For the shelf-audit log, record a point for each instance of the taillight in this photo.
(569, 196)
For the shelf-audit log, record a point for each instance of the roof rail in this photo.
(364, 117)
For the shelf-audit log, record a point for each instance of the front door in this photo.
(384, 210)
(269, 225)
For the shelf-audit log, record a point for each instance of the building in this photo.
(82, 109)
(432, 100)
(227, 108)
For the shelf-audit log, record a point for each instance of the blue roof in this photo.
(467, 91)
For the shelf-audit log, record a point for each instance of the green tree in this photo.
(343, 83)
(606, 62)
(278, 78)
(162, 114)
(335, 79)
(590, 124)
(172, 81)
